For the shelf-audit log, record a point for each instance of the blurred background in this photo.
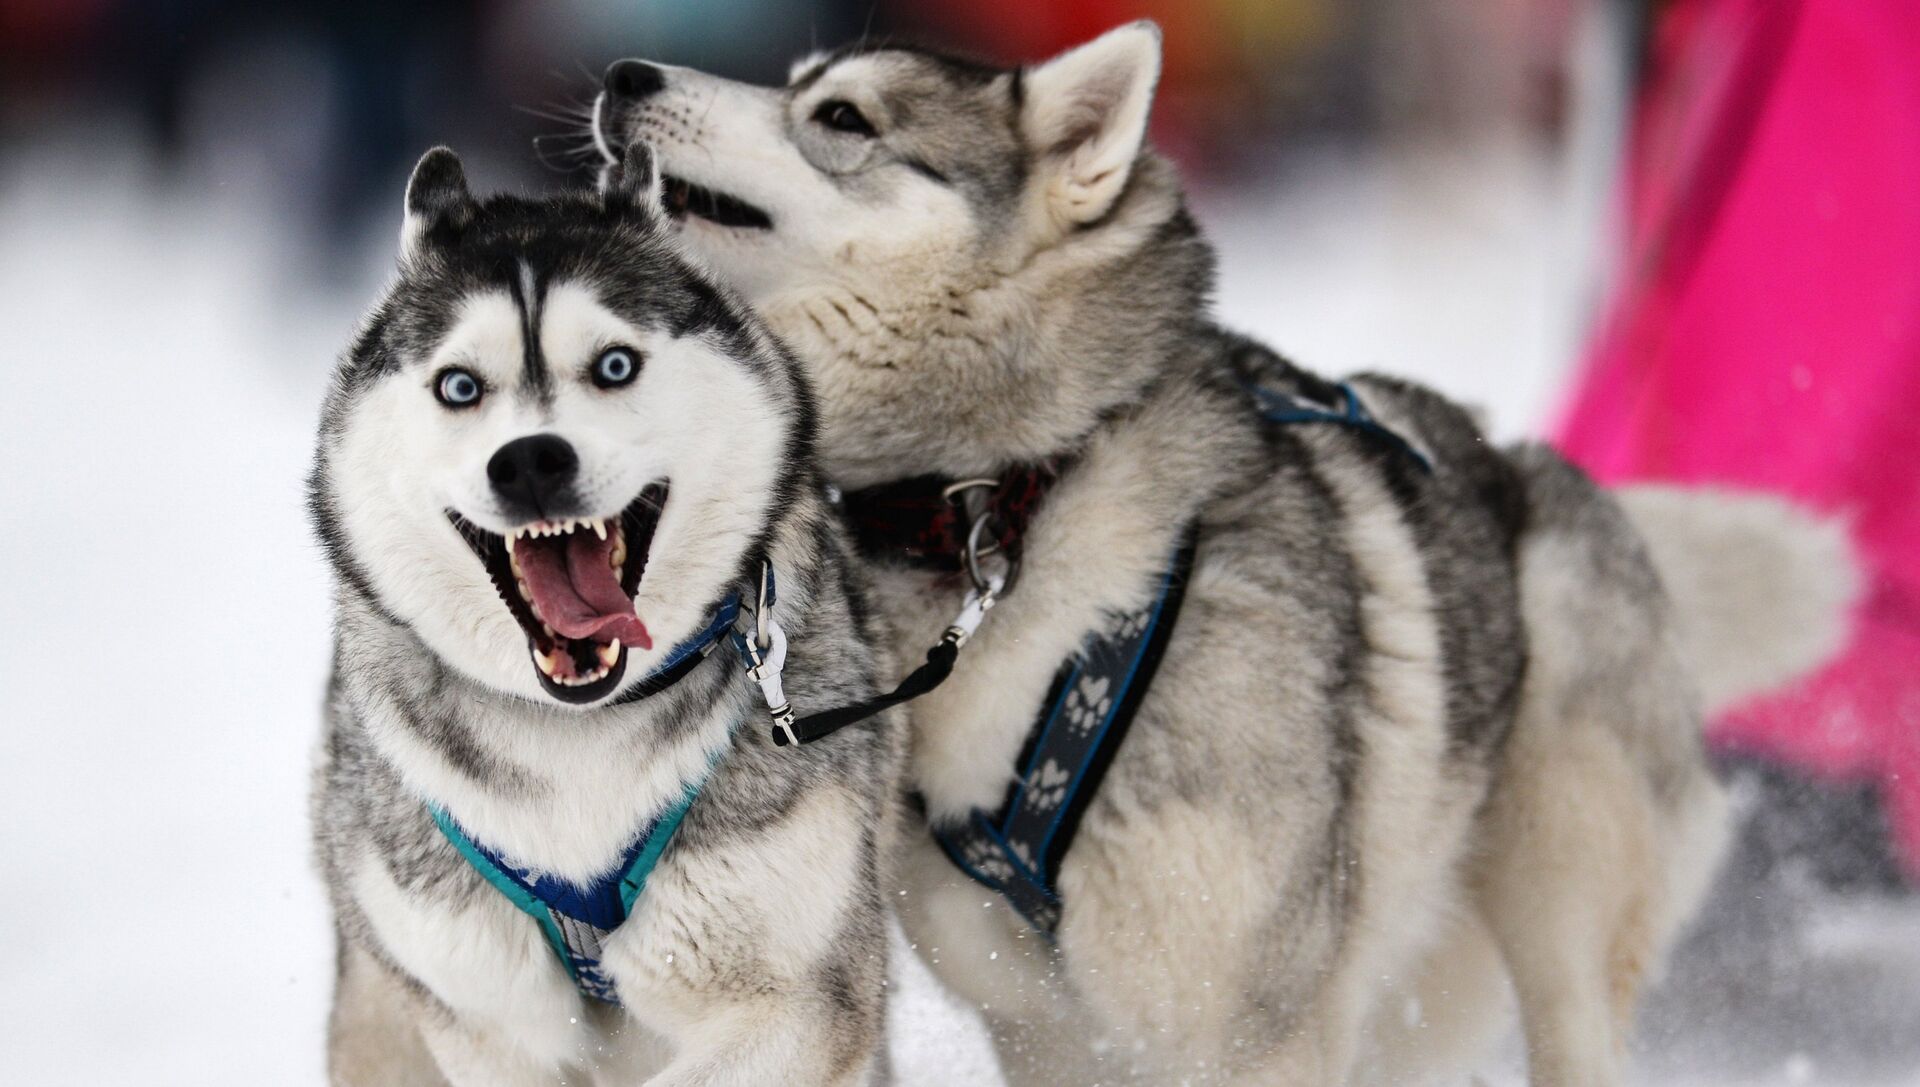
(1679, 238)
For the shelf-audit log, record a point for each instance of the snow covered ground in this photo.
(165, 636)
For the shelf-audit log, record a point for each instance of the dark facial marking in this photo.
(925, 169)
(528, 294)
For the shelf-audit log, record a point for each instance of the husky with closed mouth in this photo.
(559, 472)
(1429, 721)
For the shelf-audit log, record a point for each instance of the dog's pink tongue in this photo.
(576, 591)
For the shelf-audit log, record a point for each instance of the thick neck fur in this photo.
(965, 367)
(555, 789)
(1095, 349)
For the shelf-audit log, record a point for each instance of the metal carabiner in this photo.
(963, 486)
(982, 581)
(760, 615)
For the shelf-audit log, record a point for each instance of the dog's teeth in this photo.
(525, 593)
(609, 653)
(549, 630)
(548, 662)
(600, 528)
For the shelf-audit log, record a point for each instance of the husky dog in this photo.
(1418, 734)
(552, 457)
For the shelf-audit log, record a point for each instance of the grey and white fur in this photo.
(1418, 742)
(757, 952)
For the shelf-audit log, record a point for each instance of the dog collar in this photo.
(686, 656)
(926, 521)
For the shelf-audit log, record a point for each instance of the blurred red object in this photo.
(1765, 331)
(1218, 54)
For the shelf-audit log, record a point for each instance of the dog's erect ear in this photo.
(1085, 116)
(437, 191)
(636, 178)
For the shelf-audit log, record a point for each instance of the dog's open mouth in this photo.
(570, 584)
(684, 198)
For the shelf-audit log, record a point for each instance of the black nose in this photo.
(534, 475)
(632, 80)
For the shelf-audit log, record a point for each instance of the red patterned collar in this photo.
(924, 521)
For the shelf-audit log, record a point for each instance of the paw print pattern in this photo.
(1129, 626)
(1046, 918)
(1023, 852)
(983, 858)
(1088, 703)
(1047, 786)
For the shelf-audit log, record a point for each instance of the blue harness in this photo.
(1018, 849)
(577, 919)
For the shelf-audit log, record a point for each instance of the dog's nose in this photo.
(632, 80)
(534, 475)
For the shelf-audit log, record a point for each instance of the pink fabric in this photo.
(1766, 329)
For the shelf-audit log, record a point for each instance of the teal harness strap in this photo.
(578, 919)
(494, 874)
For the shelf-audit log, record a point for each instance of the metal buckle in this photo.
(982, 581)
(760, 616)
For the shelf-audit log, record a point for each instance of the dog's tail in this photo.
(1761, 587)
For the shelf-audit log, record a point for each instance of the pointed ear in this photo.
(636, 176)
(437, 191)
(1085, 115)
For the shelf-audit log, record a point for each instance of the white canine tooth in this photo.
(525, 593)
(547, 661)
(609, 653)
(600, 529)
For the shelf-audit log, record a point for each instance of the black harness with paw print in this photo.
(1017, 850)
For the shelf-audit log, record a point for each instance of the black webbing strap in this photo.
(938, 666)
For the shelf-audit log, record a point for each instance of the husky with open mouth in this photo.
(583, 561)
(1427, 729)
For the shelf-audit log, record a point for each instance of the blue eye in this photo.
(457, 388)
(615, 367)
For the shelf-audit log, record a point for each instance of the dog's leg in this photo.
(778, 1040)
(1604, 825)
(478, 1058)
(1438, 1030)
(372, 1036)
(1568, 886)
